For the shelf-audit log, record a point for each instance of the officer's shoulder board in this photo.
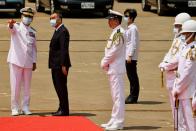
(118, 31)
(117, 36)
(191, 54)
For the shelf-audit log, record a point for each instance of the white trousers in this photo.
(185, 108)
(181, 121)
(20, 76)
(118, 98)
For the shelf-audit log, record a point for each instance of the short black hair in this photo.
(132, 13)
(59, 15)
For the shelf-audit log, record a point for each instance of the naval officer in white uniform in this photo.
(22, 60)
(184, 85)
(170, 75)
(114, 64)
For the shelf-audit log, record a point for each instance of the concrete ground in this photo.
(88, 86)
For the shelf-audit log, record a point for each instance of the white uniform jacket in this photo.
(114, 59)
(186, 74)
(132, 42)
(170, 55)
(23, 46)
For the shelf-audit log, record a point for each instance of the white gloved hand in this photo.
(161, 67)
(106, 68)
(194, 103)
(175, 93)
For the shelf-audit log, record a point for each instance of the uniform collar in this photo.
(131, 25)
(118, 27)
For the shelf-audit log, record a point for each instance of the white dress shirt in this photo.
(132, 42)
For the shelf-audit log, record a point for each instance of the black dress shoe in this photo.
(60, 113)
(131, 100)
(56, 111)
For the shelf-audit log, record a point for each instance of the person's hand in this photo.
(175, 94)
(11, 23)
(194, 104)
(129, 59)
(106, 68)
(34, 67)
(64, 70)
(162, 69)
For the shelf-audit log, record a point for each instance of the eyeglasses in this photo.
(126, 15)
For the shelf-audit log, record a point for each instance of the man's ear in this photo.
(59, 20)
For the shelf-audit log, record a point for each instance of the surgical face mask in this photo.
(53, 22)
(176, 31)
(27, 20)
(126, 19)
(183, 38)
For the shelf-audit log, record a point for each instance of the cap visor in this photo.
(109, 17)
(26, 13)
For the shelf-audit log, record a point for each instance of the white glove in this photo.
(161, 67)
(175, 93)
(194, 103)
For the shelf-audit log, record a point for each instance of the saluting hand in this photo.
(34, 67)
(64, 70)
(11, 23)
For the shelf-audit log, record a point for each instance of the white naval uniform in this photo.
(21, 56)
(170, 77)
(184, 84)
(114, 64)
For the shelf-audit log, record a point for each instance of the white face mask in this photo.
(176, 31)
(183, 38)
(53, 22)
(27, 20)
(126, 19)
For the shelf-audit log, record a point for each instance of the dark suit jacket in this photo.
(59, 49)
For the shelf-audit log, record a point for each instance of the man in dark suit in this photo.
(59, 62)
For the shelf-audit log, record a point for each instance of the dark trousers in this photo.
(133, 79)
(60, 84)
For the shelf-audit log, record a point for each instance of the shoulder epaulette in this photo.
(191, 54)
(118, 31)
(117, 35)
